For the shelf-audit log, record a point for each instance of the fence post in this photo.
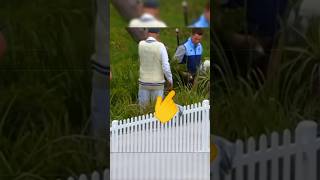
(114, 149)
(306, 165)
(206, 125)
(114, 136)
(151, 133)
(106, 174)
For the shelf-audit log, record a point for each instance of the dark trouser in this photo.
(99, 116)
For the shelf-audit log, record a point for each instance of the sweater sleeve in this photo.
(165, 64)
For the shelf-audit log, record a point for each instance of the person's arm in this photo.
(138, 34)
(180, 52)
(165, 64)
(128, 9)
(101, 56)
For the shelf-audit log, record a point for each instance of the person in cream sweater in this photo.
(154, 68)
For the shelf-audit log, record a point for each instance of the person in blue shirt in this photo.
(259, 34)
(190, 53)
(263, 16)
(204, 20)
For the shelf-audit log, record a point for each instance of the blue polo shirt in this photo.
(192, 56)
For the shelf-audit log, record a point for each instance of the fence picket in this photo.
(185, 136)
(228, 177)
(286, 157)
(135, 134)
(95, 176)
(251, 168)
(306, 134)
(304, 149)
(83, 177)
(275, 159)
(144, 148)
(238, 159)
(170, 136)
(263, 162)
(215, 173)
(180, 135)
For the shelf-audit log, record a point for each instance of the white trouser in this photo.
(147, 96)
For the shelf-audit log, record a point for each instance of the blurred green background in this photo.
(45, 90)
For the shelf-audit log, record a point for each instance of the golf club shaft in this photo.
(185, 12)
(178, 39)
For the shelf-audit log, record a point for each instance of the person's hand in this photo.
(170, 86)
(110, 76)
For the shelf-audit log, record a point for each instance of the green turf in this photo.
(125, 69)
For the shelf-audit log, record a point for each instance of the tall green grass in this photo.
(253, 104)
(124, 59)
(125, 72)
(45, 90)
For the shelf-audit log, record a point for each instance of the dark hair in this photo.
(151, 4)
(154, 30)
(198, 31)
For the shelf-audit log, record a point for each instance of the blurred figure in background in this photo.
(262, 16)
(204, 20)
(260, 33)
(149, 18)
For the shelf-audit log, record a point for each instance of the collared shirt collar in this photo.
(190, 41)
(147, 17)
(151, 39)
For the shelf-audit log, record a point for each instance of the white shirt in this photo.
(147, 20)
(165, 61)
(180, 53)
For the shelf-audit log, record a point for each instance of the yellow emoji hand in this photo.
(166, 109)
(213, 152)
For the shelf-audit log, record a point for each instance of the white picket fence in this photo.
(144, 148)
(94, 176)
(283, 156)
(288, 155)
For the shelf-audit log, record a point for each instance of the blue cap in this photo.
(154, 30)
(151, 3)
